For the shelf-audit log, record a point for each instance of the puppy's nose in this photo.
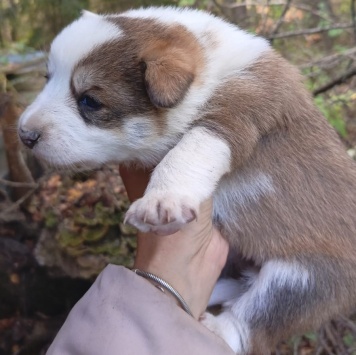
(29, 138)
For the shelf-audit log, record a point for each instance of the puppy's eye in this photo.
(88, 102)
(47, 76)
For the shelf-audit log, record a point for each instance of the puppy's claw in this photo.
(195, 214)
(162, 213)
(159, 210)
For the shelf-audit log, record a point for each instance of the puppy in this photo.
(221, 114)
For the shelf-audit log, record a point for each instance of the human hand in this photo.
(190, 260)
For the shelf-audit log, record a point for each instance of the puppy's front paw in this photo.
(162, 213)
(227, 327)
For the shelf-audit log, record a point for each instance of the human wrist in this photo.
(183, 298)
(166, 288)
(150, 258)
(193, 274)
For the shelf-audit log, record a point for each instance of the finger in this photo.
(135, 181)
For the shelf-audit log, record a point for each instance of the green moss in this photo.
(50, 220)
(68, 238)
(332, 109)
(95, 233)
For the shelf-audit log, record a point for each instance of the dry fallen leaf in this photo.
(15, 278)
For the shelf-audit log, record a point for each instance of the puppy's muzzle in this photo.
(29, 138)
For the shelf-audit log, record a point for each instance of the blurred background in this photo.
(57, 231)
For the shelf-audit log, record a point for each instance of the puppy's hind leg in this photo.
(284, 298)
(227, 289)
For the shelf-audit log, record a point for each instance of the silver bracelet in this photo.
(166, 286)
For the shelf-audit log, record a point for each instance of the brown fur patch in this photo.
(172, 56)
(269, 120)
(145, 71)
(272, 126)
(116, 81)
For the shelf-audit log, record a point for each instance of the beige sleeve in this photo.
(123, 313)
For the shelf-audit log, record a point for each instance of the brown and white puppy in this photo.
(221, 114)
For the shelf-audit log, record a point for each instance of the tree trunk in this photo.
(18, 171)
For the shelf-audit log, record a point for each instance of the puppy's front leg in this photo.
(186, 176)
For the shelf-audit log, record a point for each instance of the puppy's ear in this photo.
(86, 13)
(168, 74)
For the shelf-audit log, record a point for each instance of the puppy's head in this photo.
(111, 82)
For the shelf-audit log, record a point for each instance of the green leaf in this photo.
(333, 112)
(70, 239)
(311, 336)
(51, 220)
(335, 32)
(349, 340)
(186, 3)
(339, 125)
(94, 234)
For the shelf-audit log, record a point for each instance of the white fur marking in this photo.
(139, 131)
(228, 289)
(232, 324)
(186, 176)
(79, 38)
(277, 272)
(194, 166)
(250, 190)
(240, 191)
(235, 333)
(284, 273)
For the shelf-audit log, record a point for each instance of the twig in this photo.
(264, 16)
(338, 81)
(319, 349)
(19, 67)
(272, 3)
(330, 334)
(310, 9)
(331, 60)
(241, 4)
(281, 19)
(353, 17)
(17, 168)
(335, 338)
(219, 6)
(296, 346)
(349, 323)
(18, 184)
(324, 343)
(16, 204)
(311, 31)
